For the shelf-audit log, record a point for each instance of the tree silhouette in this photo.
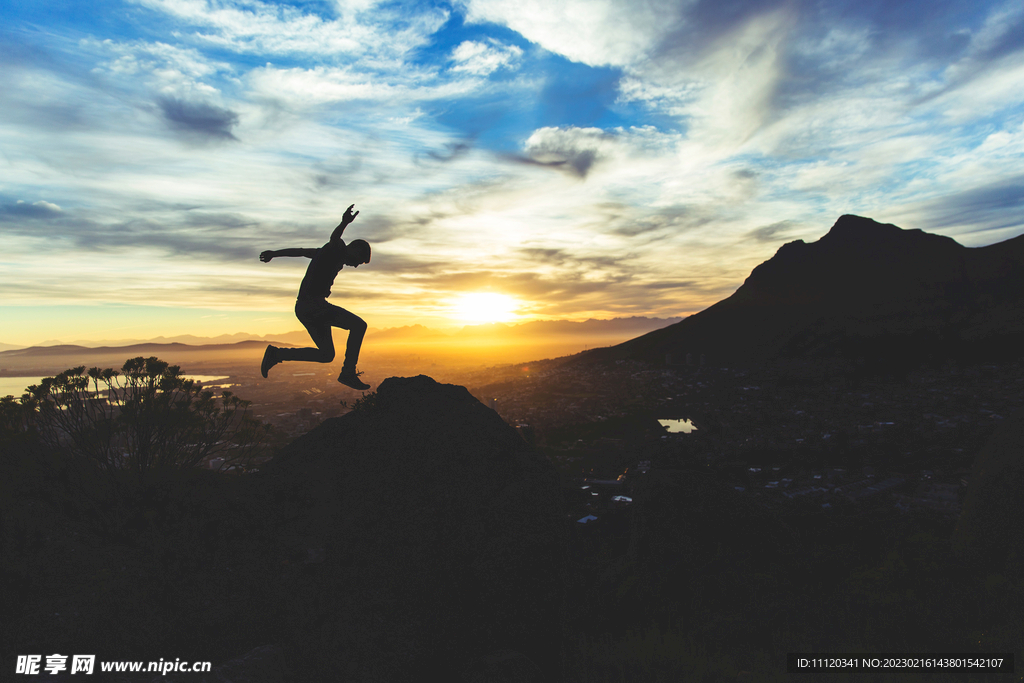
(141, 419)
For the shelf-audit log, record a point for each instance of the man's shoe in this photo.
(269, 360)
(350, 378)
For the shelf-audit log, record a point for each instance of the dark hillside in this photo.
(989, 527)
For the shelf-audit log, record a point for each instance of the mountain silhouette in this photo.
(865, 290)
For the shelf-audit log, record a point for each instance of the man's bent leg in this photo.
(356, 327)
(315, 317)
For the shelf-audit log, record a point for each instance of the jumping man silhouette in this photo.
(313, 311)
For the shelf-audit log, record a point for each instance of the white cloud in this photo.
(482, 59)
(46, 206)
(595, 32)
(258, 27)
(137, 57)
(165, 69)
(998, 86)
(299, 88)
(739, 78)
(998, 26)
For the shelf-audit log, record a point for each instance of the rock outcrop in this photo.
(440, 532)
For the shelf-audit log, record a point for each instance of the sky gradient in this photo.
(596, 158)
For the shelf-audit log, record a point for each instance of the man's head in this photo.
(357, 252)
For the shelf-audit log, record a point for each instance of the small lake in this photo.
(678, 426)
(15, 386)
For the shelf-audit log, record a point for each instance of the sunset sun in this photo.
(484, 307)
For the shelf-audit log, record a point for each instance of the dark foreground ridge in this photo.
(864, 291)
(420, 538)
(415, 538)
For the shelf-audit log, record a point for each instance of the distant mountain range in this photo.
(592, 329)
(865, 290)
(505, 343)
(44, 360)
(540, 328)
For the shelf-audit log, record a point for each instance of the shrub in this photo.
(367, 403)
(12, 417)
(146, 417)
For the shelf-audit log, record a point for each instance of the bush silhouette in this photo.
(144, 418)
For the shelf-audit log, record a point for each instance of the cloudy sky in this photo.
(582, 158)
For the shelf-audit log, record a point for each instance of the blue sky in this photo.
(594, 158)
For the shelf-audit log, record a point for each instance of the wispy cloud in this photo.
(985, 208)
(267, 28)
(482, 59)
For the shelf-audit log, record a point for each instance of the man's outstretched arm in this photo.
(267, 255)
(345, 220)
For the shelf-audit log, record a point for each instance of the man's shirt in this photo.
(323, 268)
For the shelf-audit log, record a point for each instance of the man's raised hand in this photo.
(349, 216)
(266, 256)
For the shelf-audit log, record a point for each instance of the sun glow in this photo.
(484, 307)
